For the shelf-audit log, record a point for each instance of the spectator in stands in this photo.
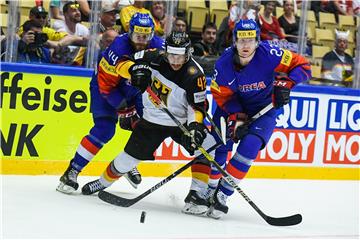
(107, 16)
(55, 39)
(31, 45)
(72, 24)
(56, 7)
(206, 47)
(161, 20)
(127, 12)
(289, 21)
(270, 27)
(107, 38)
(344, 7)
(180, 25)
(337, 64)
(73, 27)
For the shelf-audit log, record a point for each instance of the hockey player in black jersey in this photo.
(180, 83)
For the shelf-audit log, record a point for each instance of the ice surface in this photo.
(31, 208)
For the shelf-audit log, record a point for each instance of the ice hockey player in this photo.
(249, 76)
(180, 83)
(113, 99)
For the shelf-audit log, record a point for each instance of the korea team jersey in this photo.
(249, 89)
(110, 84)
(182, 91)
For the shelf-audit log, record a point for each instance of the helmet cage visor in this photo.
(141, 34)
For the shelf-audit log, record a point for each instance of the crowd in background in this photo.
(59, 35)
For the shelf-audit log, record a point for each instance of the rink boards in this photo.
(45, 112)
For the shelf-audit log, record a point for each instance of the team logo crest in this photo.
(192, 70)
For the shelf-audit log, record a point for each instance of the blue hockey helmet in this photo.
(246, 28)
(142, 23)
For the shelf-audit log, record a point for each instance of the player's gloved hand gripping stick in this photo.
(282, 221)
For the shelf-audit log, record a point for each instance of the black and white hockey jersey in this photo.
(183, 91)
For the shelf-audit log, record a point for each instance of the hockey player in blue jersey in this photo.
(113, 99)
(249, 76)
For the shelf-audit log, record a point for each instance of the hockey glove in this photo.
(128, 118)
(237, 127)
(198, 133)
(281, 91)
(140, 75)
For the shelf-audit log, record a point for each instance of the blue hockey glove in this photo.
(198, 133)
(236, 126)
(128, 118)
(281, 91)
(140, 75)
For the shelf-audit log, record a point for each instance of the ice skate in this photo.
(92, 187)
(194, 204)
(68, 181)
(134, 177)
(218, 205)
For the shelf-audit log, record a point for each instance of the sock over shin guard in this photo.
(90, 145)
(200, 172)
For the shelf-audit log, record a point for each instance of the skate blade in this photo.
(134, 185)
(65, 188)
(213, 213)
(192, 209)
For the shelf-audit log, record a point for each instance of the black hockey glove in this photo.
(140, 75)
(128, 118)
(281, 91)
(237, 126)
(198, 133)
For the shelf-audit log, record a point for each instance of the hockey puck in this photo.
(143, 215)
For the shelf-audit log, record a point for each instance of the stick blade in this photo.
(116, 200)
(284, 221)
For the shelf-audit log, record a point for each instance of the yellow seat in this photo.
(316, 71)
(311, 20)
(346, 22)
(351, 53)
(310, 33)
(3, 7)
(4, 21)
(218, 11)
(325, 37)
(197, 14)
(181, 9)
(279, 11)
(318, 52)
(327, 20)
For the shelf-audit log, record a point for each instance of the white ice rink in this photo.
(31, 208)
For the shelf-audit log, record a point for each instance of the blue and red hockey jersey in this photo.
(249, 89)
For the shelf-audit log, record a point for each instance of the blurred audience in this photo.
(180, 25)
(56, 7)
(107, 17)
(269, 25)
(127, 12)
(161, 20)
(71, 24)
(289, 21)
(337, 64)
(206, 47)
(31, 44)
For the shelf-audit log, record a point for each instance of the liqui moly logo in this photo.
(342, 139)
(294, 138)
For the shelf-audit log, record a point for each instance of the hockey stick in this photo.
(125, 202)
(281, 221)
(217, 131)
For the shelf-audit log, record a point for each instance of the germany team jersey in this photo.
(182, 91)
